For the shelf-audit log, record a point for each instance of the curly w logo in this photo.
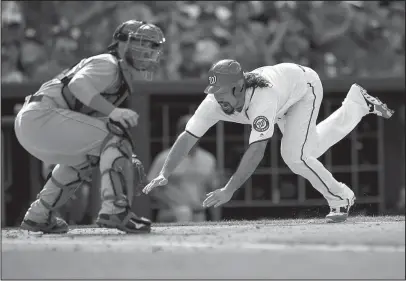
(212, 79)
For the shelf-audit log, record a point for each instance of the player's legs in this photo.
(339, 124)
(74, 141)
(115, 156)
(59, 136)
(342, 121)
(298, 145)
(63, 137)
(57, 191)
(117, 183)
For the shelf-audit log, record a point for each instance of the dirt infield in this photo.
(361, 248)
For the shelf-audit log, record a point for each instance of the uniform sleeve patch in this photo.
(261, 124)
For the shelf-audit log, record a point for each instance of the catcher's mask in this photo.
(144, 45)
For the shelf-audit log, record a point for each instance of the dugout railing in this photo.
(370, 159)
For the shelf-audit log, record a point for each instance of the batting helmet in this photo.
(223, 76)
(144, 45)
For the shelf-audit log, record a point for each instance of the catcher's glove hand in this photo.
(140, 178)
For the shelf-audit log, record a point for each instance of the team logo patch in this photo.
(261, 124)
(212, 79)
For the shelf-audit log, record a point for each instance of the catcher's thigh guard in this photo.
(116, 168)
(63, 183)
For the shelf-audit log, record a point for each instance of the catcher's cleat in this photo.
(340, 214)
(375, 105)
(126, 221)
(53, 225)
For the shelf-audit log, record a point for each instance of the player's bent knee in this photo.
(295, 167)
(68, 179)
(117, 169)
(114, 148)
(300, 163)
(295, 163)
(290, 157)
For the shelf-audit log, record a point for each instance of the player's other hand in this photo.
(158, 181)
(218, 197)
(127, 117)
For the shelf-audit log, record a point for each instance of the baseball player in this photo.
(289, 95)
(74, 121)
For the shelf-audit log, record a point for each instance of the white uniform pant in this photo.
(303, 142)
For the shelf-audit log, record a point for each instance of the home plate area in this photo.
(360, 248)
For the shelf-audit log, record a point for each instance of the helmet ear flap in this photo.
(121, 37)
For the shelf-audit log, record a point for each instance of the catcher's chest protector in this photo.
(76, 105)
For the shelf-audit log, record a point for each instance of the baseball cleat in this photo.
(126, 221)
(340, 214)
(375, 105)
(55, 225)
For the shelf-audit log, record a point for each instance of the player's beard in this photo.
(227, 108)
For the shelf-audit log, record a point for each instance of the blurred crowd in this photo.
(336, 38)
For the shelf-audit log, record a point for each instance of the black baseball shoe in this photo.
(54, 225)
(126, 221)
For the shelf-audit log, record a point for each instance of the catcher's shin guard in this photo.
(116, 168)
(121, 174)
(58, 190)
(67, 190)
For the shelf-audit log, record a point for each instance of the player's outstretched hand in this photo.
(217, 197)
(127, 117)
(158, 181)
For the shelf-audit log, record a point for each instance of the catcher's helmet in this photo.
(144, 44)
(224, 75)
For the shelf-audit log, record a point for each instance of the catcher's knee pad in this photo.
(116, 163)
(68, 189)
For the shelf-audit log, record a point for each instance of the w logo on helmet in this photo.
(212, 79)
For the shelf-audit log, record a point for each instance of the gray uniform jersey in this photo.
(97, 75)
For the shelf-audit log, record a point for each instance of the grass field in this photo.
(361, 248)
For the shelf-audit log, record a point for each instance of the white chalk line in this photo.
(130, 245)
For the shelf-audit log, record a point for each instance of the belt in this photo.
(36, 98)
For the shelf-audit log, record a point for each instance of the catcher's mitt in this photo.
(140, 178)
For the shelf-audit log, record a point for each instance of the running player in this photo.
(286, 94)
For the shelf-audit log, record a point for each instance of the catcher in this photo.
(74, 121)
